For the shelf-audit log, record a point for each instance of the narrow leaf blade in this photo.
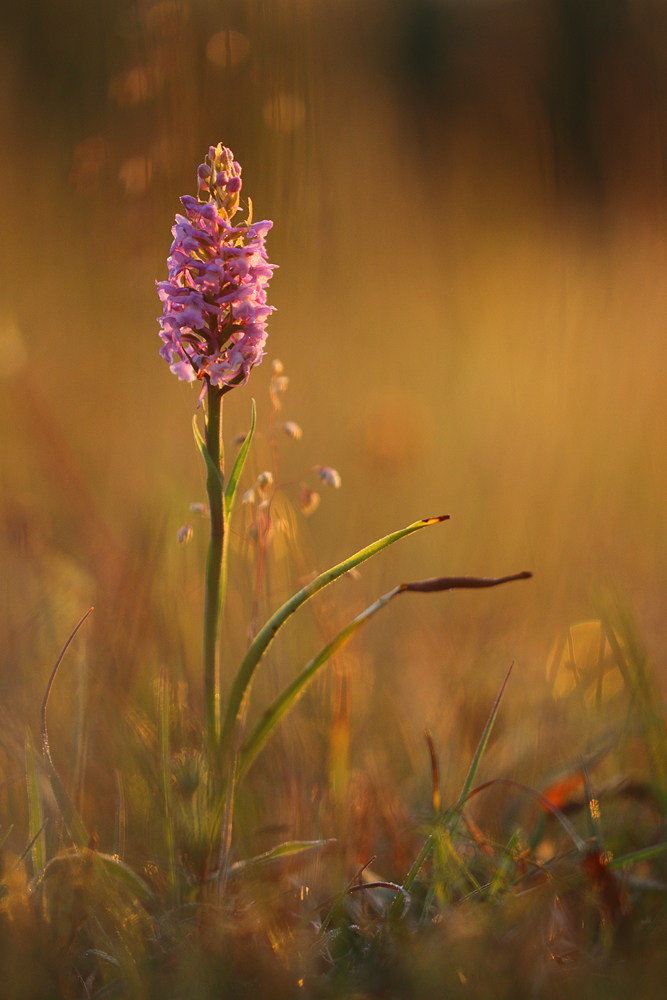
(286, 700)
(237, 470)
(212, 473)
(267, 634)
(479, 752)
(284, 850)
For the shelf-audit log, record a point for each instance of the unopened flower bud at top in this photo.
(328, 476)
(224, 179)
(278, 367)
(292, 430)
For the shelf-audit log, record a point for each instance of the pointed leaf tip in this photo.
(435, 520)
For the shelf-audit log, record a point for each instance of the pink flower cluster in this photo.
(214, 301)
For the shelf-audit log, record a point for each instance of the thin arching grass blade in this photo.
(116, 870)
(73, 822)
(267, 634)
(479, 752)
(123, 875)
(285, 701)
(35, 818)
(285, 850)
(237, 470)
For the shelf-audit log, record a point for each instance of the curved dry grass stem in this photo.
(45, 738)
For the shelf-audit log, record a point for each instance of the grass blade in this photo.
(505, 866)
(73, 822)
(232, 485)
(636, 857)
(285, 850)
(481, 747)
(35, 818)
(123, 875)
(268, 633)
(165, 771)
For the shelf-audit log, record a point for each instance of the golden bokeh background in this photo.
(470, 220)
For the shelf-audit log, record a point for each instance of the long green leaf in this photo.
(73, 822)
(636, 857)
(415, 868)
(284, 702)
(35, 818)
(268, 633)
(285, 850)
(232, 484)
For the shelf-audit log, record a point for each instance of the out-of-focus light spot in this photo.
(285, 112)
(583, 660)
(13, 353)
(134, 86)
(135, 174)
(227, 49)
(87, 161)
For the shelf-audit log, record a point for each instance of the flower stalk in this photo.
(213, 330)
(215, 582)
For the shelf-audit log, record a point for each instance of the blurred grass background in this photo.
(469, 205)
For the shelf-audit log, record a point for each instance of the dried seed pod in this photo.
(328, 476)
(309, 500)
(264, 480)
(292, 430)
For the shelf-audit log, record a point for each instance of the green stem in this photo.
(215, 581)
